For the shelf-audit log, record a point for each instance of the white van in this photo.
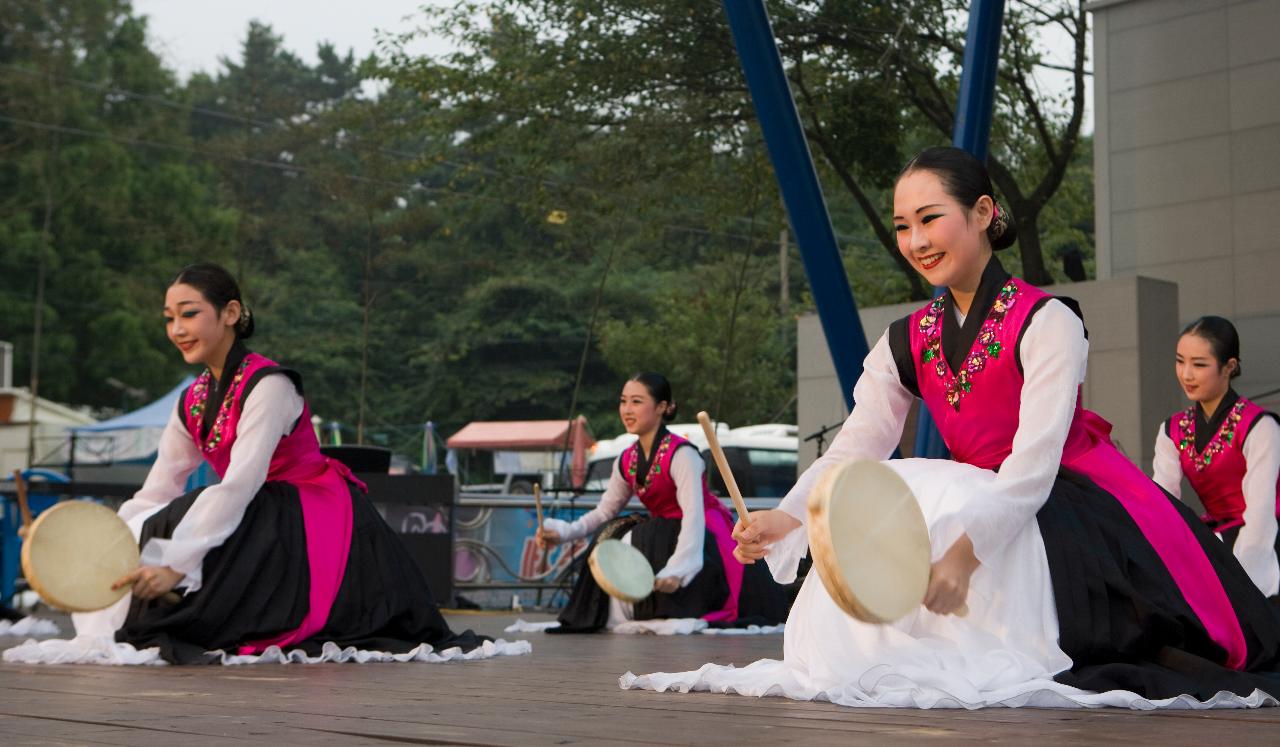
(763, 457)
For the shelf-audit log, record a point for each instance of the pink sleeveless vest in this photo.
(321, 482)
(1217, 472)
(977, 412)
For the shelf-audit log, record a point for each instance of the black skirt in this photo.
(1229, 538)
(1123, 620)
(588, 607)
(256, 585)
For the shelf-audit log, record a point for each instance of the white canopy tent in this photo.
(130, 438)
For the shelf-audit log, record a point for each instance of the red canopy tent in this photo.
(530, 435)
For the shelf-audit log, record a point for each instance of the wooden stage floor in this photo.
(565, 693)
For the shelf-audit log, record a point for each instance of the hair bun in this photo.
(1003, 231)
(244, 325)
(671, 410)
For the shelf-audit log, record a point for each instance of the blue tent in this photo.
(126, 446)
(131, 438)
(154, 415)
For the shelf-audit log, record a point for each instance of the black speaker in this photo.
(361, 458)
(419, 509)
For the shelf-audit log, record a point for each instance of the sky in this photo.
(192, 35)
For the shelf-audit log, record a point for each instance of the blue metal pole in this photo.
(978, 79)
(801, 192)
(972, 132)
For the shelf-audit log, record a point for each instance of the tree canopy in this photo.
(577, 191)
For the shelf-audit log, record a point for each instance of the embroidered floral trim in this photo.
(986, 347)
(1225, 436)
(200, 396)
(655, 466)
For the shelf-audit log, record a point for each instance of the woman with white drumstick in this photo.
(286, 550)
(1085, 583)
(1228, 448)
(687, 535)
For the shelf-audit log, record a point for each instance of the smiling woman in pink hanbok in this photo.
(1087, 584)
(1228, 448)
(285, 556)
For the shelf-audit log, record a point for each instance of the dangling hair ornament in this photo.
(246, 316)
(999, 221)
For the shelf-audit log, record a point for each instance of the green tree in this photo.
(659, 88)
(97, 197)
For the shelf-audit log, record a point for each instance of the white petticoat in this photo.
(672, 626)
(29, 626)
(1004, 653)
(91, 649)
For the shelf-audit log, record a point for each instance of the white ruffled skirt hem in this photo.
(773, 678)
(89, 649)
(1003, 653)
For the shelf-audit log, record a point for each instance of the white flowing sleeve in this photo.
(614, 498)
(872, 431)
(1166, 465)
(1054, 353)
(176, 458)
(686, 470)
(270, 412)
(1255, 546)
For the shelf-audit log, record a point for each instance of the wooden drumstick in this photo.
(23, 506)
(723, 464)
(537, 502)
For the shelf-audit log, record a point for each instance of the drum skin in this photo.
(74, 551)
(621, 570)
(869, 541)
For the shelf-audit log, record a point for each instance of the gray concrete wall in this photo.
(1132, 324)
(1187, 161)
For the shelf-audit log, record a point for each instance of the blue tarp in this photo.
(154, 415)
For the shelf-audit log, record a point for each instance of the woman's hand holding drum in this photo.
(949, 579)
(668, 585)
(150, 581)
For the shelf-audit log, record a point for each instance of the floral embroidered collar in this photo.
(958, 337)
(1201, 440)
(210, 404)
(640, 472)
(985, 347)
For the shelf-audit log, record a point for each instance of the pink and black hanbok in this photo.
(285, 551)
(1232, 460)
(686, 534)
(1094, 587)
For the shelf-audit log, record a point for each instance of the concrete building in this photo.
(1187, 161)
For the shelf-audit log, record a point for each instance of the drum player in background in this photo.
(1085, 583)
(1229, 449)
(687, 534)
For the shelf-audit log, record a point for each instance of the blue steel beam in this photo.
(972, 132)
(801, 192)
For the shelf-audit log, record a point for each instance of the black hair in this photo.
(1222, 337)
(219, 288)
(660, 389)
(965, 178)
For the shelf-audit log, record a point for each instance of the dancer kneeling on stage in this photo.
(687, 536)
(1084, 583)
(1228, 448)
(286, 550)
